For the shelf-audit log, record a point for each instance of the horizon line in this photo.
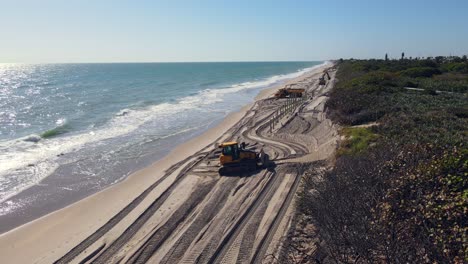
(142, 62)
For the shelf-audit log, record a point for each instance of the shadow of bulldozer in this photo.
(247, 169)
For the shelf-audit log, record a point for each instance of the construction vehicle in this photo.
(235, 158)
(322, 79)
(289, 93)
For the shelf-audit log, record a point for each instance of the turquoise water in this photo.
(90, 125)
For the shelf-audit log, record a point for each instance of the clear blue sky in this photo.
(141, 31)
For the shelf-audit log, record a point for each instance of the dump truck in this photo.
(289, 93)
(235, 158)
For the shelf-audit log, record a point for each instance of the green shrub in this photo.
(420, 72)
(357, 140)
(430, 202)
(375, 78)
(461, 67)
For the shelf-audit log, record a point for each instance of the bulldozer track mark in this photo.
(233, 232)
(150, 210)
(159, 236)
(94, 253)
(217, 201)
(265, 242)
(74, 252)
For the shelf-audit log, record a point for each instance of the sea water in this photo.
(68, 128)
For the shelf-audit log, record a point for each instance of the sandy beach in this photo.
(179, 209)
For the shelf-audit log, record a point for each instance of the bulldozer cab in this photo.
(230, 149)
(322, 80)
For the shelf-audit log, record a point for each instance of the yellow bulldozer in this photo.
(235, 159)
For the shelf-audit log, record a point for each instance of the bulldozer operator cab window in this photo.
(227, 150)
(232, 150)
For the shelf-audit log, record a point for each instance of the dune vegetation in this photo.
(398, 190)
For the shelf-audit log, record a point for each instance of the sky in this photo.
(256, 30)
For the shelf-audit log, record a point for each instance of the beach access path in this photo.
(179, 210)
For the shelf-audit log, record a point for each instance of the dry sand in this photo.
(208, 207)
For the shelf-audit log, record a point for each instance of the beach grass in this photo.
(358, 139)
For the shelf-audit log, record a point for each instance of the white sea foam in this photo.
(40, 158)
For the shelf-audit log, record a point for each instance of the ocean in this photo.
(69, 130)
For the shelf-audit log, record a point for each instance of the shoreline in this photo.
(52, 231)
(61, 188)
